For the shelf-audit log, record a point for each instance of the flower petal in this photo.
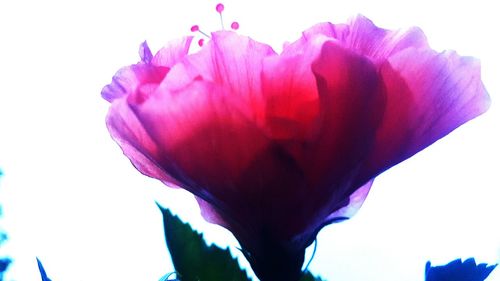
(135, 142)
(289, 89)
(351, 102)
(356, 200)
(351, 107)
(378, 43)
(234, 62)
(142, 78)
(200, 132)
(130, 79)
(290, 93)
(173, 52)
(317, 32)
(365, 38)
(145, 53)
(429, 94)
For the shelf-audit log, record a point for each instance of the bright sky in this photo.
(71, 198)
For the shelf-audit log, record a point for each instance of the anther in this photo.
(235, 25)
(196, 28)
(219, 8)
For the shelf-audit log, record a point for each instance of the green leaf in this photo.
(195, 261)
(309, 277)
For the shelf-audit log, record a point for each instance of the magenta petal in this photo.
(378, 43)
(123, 80)
(356, 200)
(200, 132)
(365, 38)
(134, 81)
(145, 53)
(128, 80)
(291, 97)
(141, 79)
(429, 95)
(210, 214)
(135, 142)
(351, 103)
(173, 52)
(234, 62)
(351, 106)
(320, 31)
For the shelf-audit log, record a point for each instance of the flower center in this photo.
(219, 8)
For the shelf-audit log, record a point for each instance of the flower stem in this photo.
(275, 262)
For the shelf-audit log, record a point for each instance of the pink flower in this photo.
(275, 146)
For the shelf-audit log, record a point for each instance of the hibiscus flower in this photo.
(275, 146)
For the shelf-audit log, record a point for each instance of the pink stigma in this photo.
(200, 42)
(195, 28)
(235, 25)
(219, 8)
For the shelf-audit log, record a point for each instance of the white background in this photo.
(71, 198)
